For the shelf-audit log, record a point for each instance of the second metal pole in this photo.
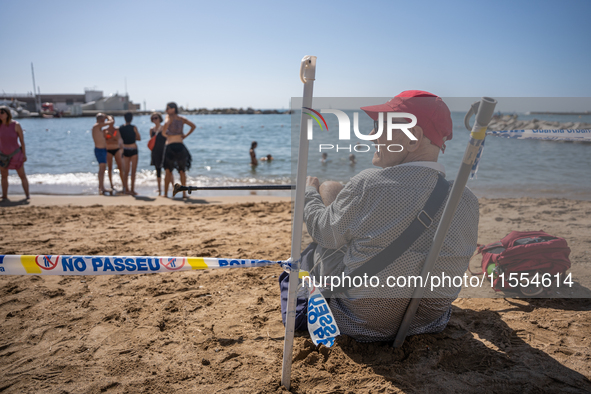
(483, 117)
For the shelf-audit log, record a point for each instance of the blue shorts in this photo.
(101, 155)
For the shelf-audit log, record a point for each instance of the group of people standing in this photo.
(166, 142)
(117, 144)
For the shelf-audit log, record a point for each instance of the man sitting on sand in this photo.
(100, 148)
(352, 224)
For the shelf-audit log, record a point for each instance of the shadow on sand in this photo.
(10, 203)
(477, 352)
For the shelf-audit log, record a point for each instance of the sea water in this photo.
(61, 157)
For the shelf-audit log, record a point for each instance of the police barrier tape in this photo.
(116, 265)
(321, 323)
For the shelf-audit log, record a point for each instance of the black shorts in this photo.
(129, 152)
(176, 156)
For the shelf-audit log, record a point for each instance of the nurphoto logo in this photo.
(345, 129)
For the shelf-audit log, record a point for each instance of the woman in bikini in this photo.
(11, 134)
(114, 142)
(158, 150)
(176, 155)
(129, 135)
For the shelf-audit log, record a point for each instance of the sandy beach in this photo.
(220, 330)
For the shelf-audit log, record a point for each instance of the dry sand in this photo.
(221, 331)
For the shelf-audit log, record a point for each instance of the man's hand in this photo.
(313, 181)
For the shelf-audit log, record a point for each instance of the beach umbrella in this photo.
(484, 112)
(307, 76)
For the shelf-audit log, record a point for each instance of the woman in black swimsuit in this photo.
(129, 135)
(158, 150)
(176, 154)
(114, 152)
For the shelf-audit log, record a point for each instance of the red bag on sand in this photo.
(524, 252)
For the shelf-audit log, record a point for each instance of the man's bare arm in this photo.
(107, 122)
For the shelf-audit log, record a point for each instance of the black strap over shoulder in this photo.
(422, 222)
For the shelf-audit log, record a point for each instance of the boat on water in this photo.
(17, 108)
(48, 111)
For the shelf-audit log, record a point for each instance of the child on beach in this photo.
(158, 150)
(100, 148)
(129, 135)
(267, 158)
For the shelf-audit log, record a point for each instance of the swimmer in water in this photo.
(253, 156)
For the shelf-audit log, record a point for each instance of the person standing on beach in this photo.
(129, 136)
(100, 148)
(158, 150)
(176, 155)
(11, 134)
(253, 156)
(114, 143)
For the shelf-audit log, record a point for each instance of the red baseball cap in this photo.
(432, 113)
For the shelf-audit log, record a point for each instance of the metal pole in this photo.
(37, 105)
(483, 117)
(307, 76)
(181, 188)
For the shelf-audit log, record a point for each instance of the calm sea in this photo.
(61, 157)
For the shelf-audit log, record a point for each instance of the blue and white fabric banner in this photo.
(574, 135)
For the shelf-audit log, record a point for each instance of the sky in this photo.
(247, 54)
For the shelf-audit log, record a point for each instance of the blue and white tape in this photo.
(322, 325)
(115, 265)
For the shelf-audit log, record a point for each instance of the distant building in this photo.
(90, 102)
(61, 102)
(105, 104)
